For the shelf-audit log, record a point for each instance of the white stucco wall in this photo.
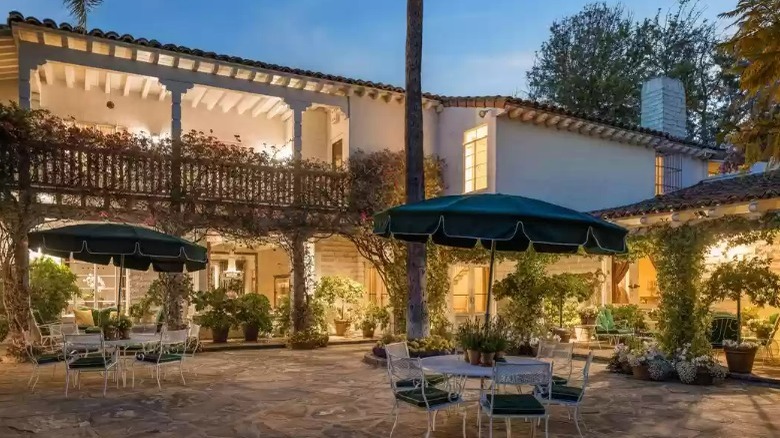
(9, 91)
(569, 169)
(453, 122)
(315, 134)
(693, 171)
(375, 125)
(253, 131)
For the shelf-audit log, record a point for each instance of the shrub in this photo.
(216, 310)
(254, 310)
(340, 293)
(629, 315)
(52, 285)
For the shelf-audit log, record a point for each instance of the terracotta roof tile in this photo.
(455, 101)
(741, 188)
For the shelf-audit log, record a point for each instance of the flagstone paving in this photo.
(330, 393)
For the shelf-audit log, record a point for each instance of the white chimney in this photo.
(663, 106)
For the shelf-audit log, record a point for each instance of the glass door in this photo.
(469, 292)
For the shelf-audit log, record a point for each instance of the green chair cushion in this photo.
(556, 380)
(165, 358)
(513, 404)
(90, 362)
(435, 396)
(565, 393)
(49, 358)
(431, 380)
(92, 329)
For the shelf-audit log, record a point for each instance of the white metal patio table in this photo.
(123, 345)
(454, 365)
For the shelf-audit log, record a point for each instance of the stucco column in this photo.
(298, 109)
(25, 92)
(177, 90)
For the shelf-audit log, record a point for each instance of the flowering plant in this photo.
(744, 345)
(619, 362)
(589, 311)
(688, 365)
(653, 358)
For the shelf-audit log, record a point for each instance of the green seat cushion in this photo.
(513, 404)
(432, 380)
(92, 329)
(90, 362)
(156, 358)
(566, 393)
(435, 396)
(49, 358)
(556, 380)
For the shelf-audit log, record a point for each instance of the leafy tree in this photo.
(756, 48)
(80, 9)
(596, 61)
(52, 285)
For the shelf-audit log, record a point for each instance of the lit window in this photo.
(668, 173)
(713, 168)
(475, 159)
(377, 292)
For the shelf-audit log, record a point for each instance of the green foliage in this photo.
(525, 291)
(496, 336)
(309, 338)
(254, 310)
(470, 334)
(341, 293)
(751, 277)
(216, 310)
(628, 315)
(596, 60)
(565, 287)
(314, 316)
(375, 316)
(431, 344)
(121, 322)
(52, 285)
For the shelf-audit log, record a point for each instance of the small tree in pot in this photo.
(564, 287)
(341, 294)
(730, 280)
(254, 314)
(373, 316)
(217, 311)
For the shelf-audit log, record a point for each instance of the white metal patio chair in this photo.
(40, 357)
(570, 396)
(168, 352)
(81, 357)
(560, 353)
(58, 331)
(398, 349)
(523, 406)
(421, 395)
(41, 330)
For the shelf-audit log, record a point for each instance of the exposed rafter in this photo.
(219, 95)
(247, 102)
(128, 85)
(70, 76)
(107, 88)
(199, 96)
(48, 69)
(147, 87)
(276, 110)
(269, 103)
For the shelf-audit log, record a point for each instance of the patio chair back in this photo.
(194, 330)
(537, 375)
(723, 327)
(561, 355)
(402, 370)
(545, 349)
(586, 373)
(398, 349)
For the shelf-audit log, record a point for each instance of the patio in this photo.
(284, 393)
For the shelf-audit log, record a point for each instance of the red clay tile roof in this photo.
(741, 188)
(453, 101)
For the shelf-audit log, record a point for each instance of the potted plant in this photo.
(619, 361)
(565, 287)
(122, 324)
(649, 363)
(308, 339)
(109, 329)
(216, 311)
(341, 294)
(588, 314)
(697, 368)
(253, 312)
(762, 327)
(730, 280)
(469, 336)
(374, 316)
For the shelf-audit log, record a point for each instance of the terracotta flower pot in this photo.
(588, 320)
(486, 359)
(562, 333)
(341, 327)
(251, 332)
(219, 334)
(641, 372)
(740, 360)
(474, 357)
(368, 332)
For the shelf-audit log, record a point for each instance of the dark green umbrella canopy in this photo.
(105, 243)
(514, 223)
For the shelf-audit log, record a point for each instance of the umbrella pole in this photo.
(121, 284)
(490, 279)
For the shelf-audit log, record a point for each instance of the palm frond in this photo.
(80, 9)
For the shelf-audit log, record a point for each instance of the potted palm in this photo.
(342, 295)
(122, 324)
(216, 311)
(254, 315)
(731, 280)
(373, 317)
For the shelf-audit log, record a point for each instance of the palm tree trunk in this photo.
(417, 323)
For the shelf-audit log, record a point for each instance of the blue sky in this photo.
(471, 47)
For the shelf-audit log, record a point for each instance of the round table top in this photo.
(453, 364)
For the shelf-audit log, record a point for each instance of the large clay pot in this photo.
(219, 334)
(740, 360)
(474, 357)
(562, 333)
(368, 332)
(486, 359)
(588, 320)
(251, 332)
(341, 327)
(641, 372)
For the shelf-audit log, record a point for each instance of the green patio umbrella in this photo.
(500, 223)
(126, 246)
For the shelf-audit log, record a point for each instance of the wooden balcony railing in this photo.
(148, 175)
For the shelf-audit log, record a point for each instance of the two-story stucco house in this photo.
(495, 144)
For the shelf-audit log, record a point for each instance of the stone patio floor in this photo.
(330, 393)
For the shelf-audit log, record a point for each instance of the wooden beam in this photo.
(196, 100)
(276, 110)
(247, 102)
(269, 103)
(220, 95)
(128, 85)
(48, 68)
(286, 116)
(70, 76)
(147, 87)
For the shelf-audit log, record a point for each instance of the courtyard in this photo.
(330, 393)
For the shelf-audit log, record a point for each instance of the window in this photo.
(337, 155)
(668, 173)
(713, 168)
(469, 290)
(475, 159)
(377, 292)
